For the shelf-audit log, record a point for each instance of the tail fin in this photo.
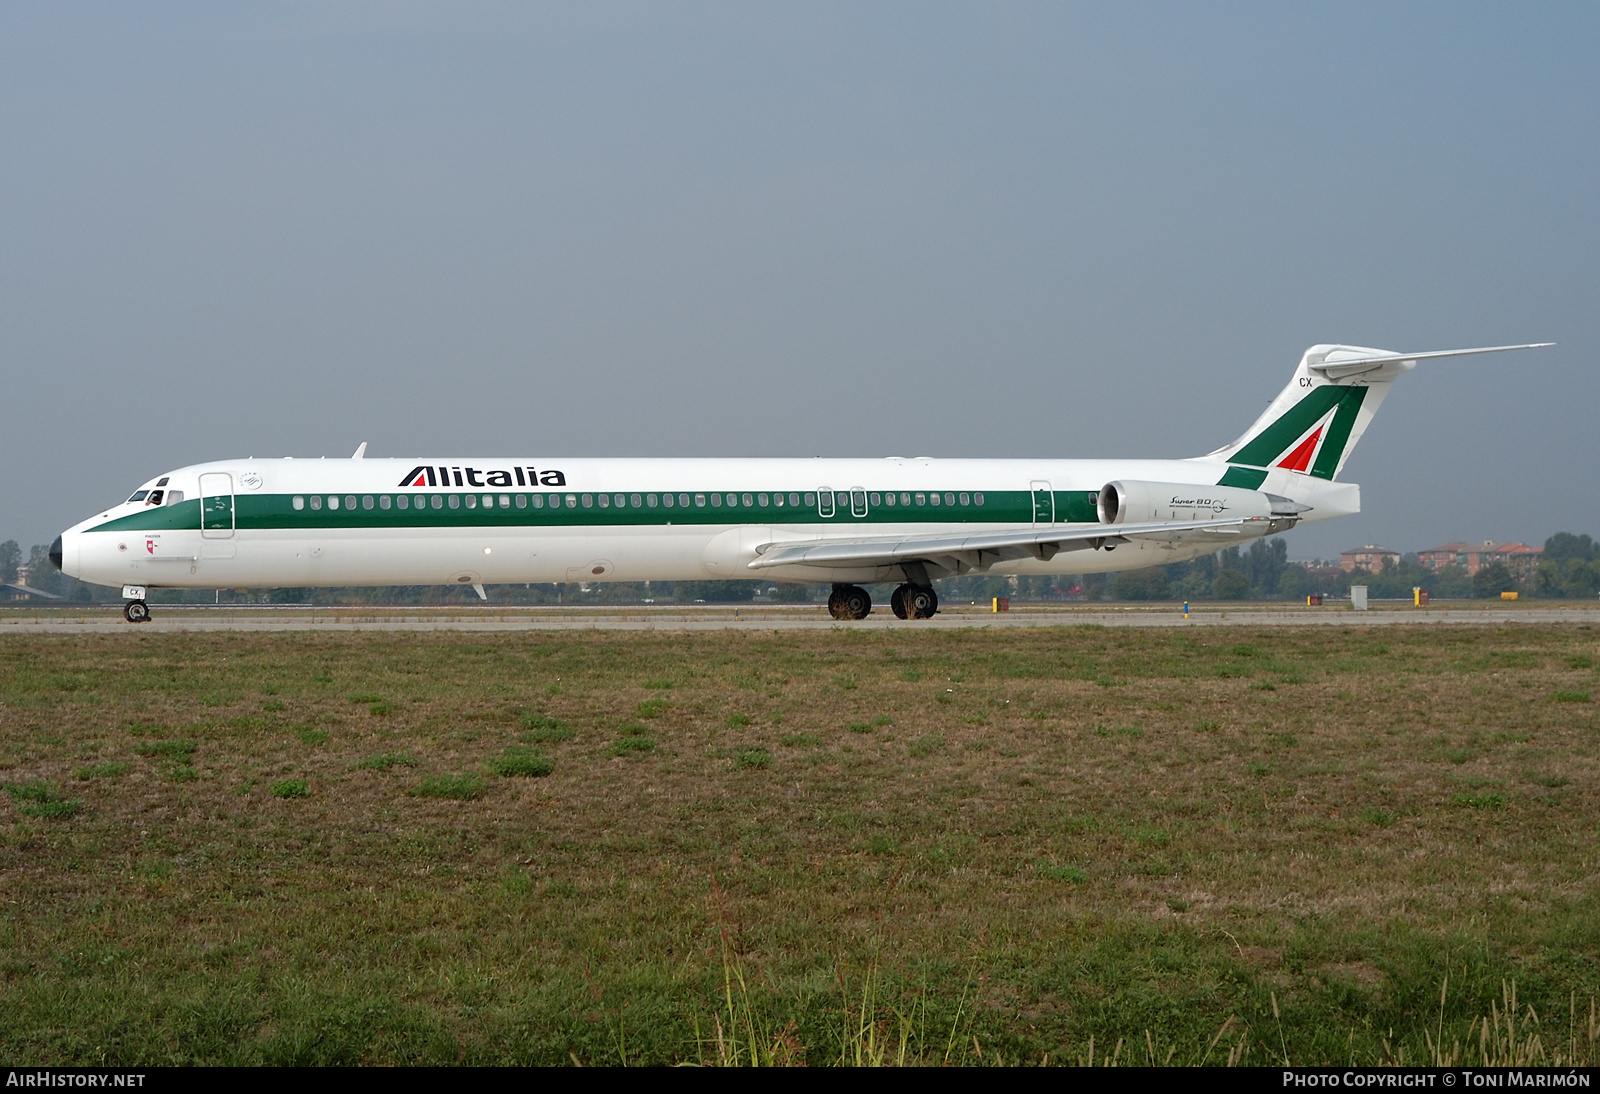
(1315, 422)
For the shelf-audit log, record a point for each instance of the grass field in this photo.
(1320, 845)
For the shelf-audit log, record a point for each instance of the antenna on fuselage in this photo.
(360, 452)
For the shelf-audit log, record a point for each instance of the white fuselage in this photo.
(298, 523)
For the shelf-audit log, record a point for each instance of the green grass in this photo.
(38, 798)
(543, 729)
(383, 761)
(289, 788)
(1147, 863)
(456, 787)
(179, 751)
(521, 762)
(753, 757)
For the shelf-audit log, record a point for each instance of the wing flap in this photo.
(981, 551)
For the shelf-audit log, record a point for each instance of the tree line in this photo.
(1569, 568)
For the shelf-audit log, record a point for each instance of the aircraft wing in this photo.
(963, 554)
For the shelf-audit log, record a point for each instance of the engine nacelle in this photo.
(1134, 502)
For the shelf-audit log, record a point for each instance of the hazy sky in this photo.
(857, 229)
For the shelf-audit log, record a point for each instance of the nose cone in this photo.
(55, 552)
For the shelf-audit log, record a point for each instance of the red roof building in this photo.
(1370, 558)
(1519, 558)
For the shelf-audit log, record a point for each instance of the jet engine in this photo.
(1134, 502)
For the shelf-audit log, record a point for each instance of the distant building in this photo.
(1519, 558)
(1370, 558)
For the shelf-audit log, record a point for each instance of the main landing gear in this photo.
(909, 602)
(914, 602)
(849, 602)
(136, 611)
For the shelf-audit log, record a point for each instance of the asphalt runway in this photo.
(107, 619)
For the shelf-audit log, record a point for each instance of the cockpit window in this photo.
(174, 497)
(163, 481)
(138, 495)
(154, 498)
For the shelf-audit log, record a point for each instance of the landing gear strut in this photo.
(849, 602)
(914, 602)
(136, 611)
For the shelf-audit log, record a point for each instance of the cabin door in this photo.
(216, 505)
(1044, 503)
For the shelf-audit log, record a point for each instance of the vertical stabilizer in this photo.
(1315, 422)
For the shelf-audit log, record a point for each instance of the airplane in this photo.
(288, 523)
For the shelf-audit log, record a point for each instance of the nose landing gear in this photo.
(849, 602)
(914, 602)
(135, 610)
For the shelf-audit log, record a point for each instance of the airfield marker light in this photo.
(1186, 609)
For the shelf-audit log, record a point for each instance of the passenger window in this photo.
(794, 499)
(888, 499)
(635, 500)
(383, 501)
(588, 501)
(505, 501)
(538, 501)
(622, 501)
(922, 499)
(367, 502)
(905, 499)
(316, 501)
(522, 501)
(933, 499)
(333, 501)
(472, 501)
(154, 498)
(666, 500)
(716, 499)
(455, 501)
(174, 497)
(811, 499)
(746, 500)
(978, 499)
(966, 499)
(605, 501)
(873, 498)
(700, 500)
(401, 501)
(438, 501)
(761, 500)
(299, 501)
(949, 499)
(572, 501)
(349, 501)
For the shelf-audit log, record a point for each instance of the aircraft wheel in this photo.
(857, 603)
(136, 611)
(921, 601)
(836, 602)
(897, 602)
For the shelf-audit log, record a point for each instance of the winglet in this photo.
(360, 452)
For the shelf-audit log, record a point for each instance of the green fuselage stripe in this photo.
(277, 511)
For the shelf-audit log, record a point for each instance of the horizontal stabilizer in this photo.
(1342, 363)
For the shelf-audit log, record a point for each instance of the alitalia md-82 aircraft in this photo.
(265, 523)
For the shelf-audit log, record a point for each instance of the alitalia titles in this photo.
(428, 475)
